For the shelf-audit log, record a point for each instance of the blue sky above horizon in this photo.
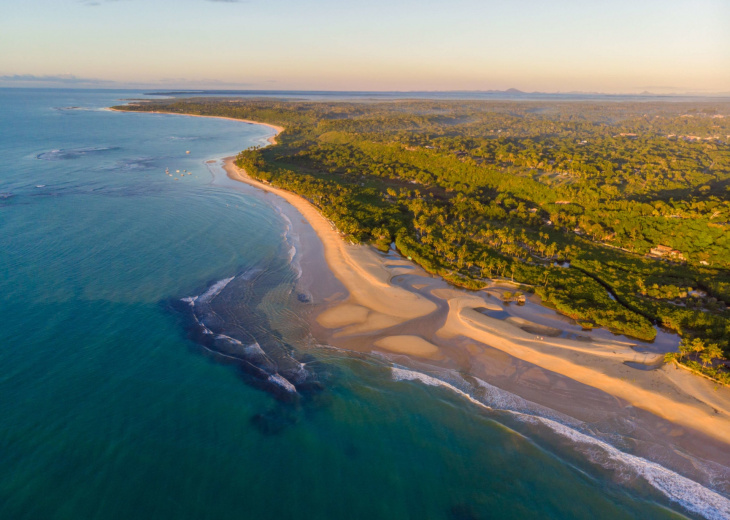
(668, 46)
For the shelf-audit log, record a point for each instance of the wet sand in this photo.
(381, 303)
(380, 309)
(388, 306)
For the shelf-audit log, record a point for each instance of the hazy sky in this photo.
(545, 45)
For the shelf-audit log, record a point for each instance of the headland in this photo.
(393, 308)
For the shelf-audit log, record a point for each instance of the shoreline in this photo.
(271, 139)
(375, 304)
(394, 308)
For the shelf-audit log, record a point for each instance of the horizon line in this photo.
(510, 91)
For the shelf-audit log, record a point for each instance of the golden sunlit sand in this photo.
(411, 345)
(375, 304)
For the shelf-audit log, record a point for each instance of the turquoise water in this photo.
(111, 409)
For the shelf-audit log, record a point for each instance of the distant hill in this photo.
(508, 94)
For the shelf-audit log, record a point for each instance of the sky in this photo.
(610, 46)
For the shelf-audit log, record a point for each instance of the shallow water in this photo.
(112, 406)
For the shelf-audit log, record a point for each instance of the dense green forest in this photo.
(568, 199)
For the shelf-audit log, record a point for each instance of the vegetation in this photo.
(475, 190)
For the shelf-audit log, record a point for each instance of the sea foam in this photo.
(687, 493)
(213, 291)
(291, 239)
(282, 382)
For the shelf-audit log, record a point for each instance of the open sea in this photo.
(152, 336)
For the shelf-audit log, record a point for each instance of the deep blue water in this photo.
(112, 406)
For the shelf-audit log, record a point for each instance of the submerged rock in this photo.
(226, 322)
(274, 421)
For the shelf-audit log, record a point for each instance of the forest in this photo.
(616, 214)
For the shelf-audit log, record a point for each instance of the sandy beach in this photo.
(395, 309)
(380, 315)
(392, 307)
(423, 317)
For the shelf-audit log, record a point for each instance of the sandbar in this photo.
(394, 306)
(376, 303)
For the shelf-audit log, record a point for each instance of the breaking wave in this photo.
(213, 291)
(291, 239)
(284, 383)
(263, 358)
(687, 493)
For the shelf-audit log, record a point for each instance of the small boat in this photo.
(187, 151)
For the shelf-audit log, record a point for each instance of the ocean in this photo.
(144, 302)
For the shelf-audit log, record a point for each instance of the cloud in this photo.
(209, 82)
(51, 80)
(72, 81)
(96, 3)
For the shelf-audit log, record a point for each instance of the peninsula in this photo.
(474, 213)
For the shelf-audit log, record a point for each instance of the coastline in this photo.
(271, 140)
(375, 304)
(394, 308)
